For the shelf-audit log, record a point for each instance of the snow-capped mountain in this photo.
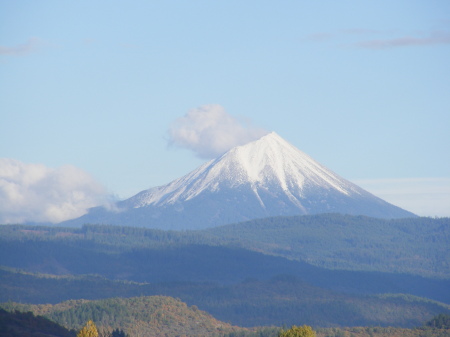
(267, 177)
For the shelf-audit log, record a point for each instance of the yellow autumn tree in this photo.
(298, 331)
(89, 330)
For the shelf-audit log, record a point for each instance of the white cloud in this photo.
(210, 131)
(422, 196)
(34, 192)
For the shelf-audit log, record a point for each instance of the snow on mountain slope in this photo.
(262, 163)
(267, 177)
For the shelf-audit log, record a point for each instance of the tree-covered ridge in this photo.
(282, 300)
(148, 316)
(381, 332)
(153, 314)
(108, 236)
(199, 263)
(438, 326)
(414, 245)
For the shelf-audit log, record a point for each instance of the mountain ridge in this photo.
(255, 273)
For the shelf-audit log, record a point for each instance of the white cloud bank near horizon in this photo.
(209, 131)
(421, 196)
(36, 193)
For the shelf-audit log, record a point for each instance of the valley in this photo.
(245, 279)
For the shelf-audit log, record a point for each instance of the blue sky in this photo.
(94, 87)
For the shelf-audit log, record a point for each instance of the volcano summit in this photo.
(267, 177)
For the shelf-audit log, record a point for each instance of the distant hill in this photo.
(283, 300)
(264, 178)
(414, 245)
(164, 316)
(25, 324)
(139, 316)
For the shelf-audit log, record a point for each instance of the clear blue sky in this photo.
(361, 86)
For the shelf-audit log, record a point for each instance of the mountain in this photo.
(267, 177)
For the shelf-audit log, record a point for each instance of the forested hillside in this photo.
(179, 262)
(248, 274)
(138, 316)
(164, 316)
(278, 301)
(413, 245)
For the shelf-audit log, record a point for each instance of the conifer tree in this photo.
(89, 330)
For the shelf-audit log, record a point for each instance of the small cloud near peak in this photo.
(209, 131)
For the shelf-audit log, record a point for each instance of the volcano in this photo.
(265, 178)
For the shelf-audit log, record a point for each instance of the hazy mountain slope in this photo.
(213, 271)
(183, 262)
(413, 245)
(283, 300)
(267, 177)
(416, 246)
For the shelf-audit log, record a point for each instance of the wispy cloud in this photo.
(32, 45)
(337, 36)
(89, 42)
(210, 131)
(406, 41)
(360, 31)
(364, 38)
(320, 37)
(34, 192)
(422, 196)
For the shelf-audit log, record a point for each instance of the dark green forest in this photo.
(416, 246)
(26, 324)
(281, 300)
(324, 270)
